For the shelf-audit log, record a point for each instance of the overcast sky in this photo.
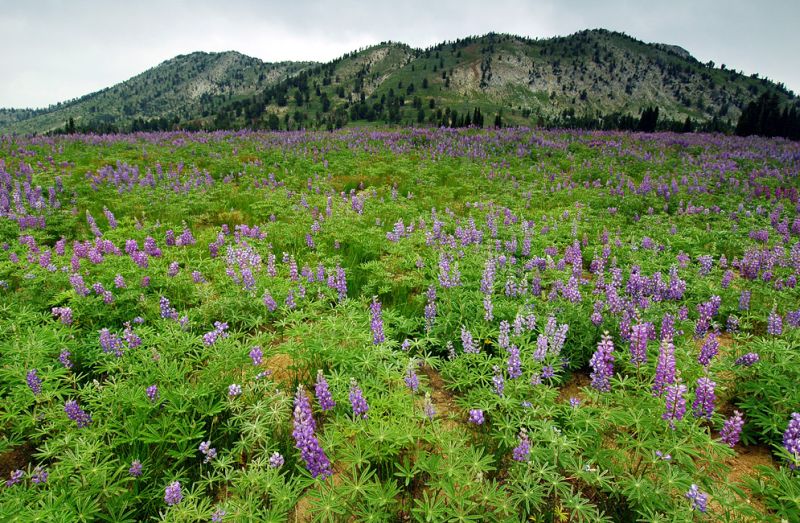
(53, 50)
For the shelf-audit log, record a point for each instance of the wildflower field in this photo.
(407, 325)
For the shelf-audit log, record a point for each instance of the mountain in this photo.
(176, 90)
(592, 78)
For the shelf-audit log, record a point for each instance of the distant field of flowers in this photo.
(410, 325)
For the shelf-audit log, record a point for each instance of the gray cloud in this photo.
(56, 50)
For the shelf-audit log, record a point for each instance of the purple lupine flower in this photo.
(256, 355)
(732, 429)
(488, 308)
(476, 416)
(732, 324)
(136, 468)
(791, 439)
(602, 363)
(218, 516)
(198, 277)
(665, 368)
(290, 303)
(77, 414)
(173, 269)
(34, 382)
(703, 406)
(523, 449)
(15, 477)
(468, 343)
(172, 494)
(574, 402)
(376, 324)
(774, 324)
(64, 314)
(663, 457)
(503, 339)
(310, 450)
(744, 301)
(205, 448)
(119, 281)
(39, 475)
(167, 311)
(63, 357)
(406, 345)
(411, 379)
(152, 392)
(430, 308)
(514, 364)
(76, 280)
(357, 400)
(269, 302)
(323, 393)
(638, 346)
(234, 390)
(427, 407)
(497, 381)
(726, 279)
(541, 348)
(675, 403)
(747, 360)
(708, 350)
(699, 499)
(548, 372)
(276, 460)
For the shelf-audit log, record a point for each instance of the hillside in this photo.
(175, 90)
(594, 78)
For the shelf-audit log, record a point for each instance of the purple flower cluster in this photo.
(206, 449)
(77, 414)
(791, 439)
(63, 358)
(210, 338)
(376, 323)
(774, 324)
(152, 393)
(173, 494)
(411, 379)
(732, 429)
(497, 381)
(427, 407)
(703, 406)
(746, 360)
(665, 368)
(34, 382)
(514, 363)
(430, 308)
(602, 363)
(468, 343)
(234, 390)
(357, 400)
(64, 314)
(256, 355)
(708, 350)
(638, 346)
(323, 393)
(675, 403)
(699, 499)
(136, 468)
(523, 449)
(276, 460)
(15, 477)
(269, 302)
(476, 416)
(311, 452)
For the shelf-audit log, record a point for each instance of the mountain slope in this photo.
(175, 89)
(587, 78)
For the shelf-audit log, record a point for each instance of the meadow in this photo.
(399, 325)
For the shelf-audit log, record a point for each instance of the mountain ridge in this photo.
(587, 76)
